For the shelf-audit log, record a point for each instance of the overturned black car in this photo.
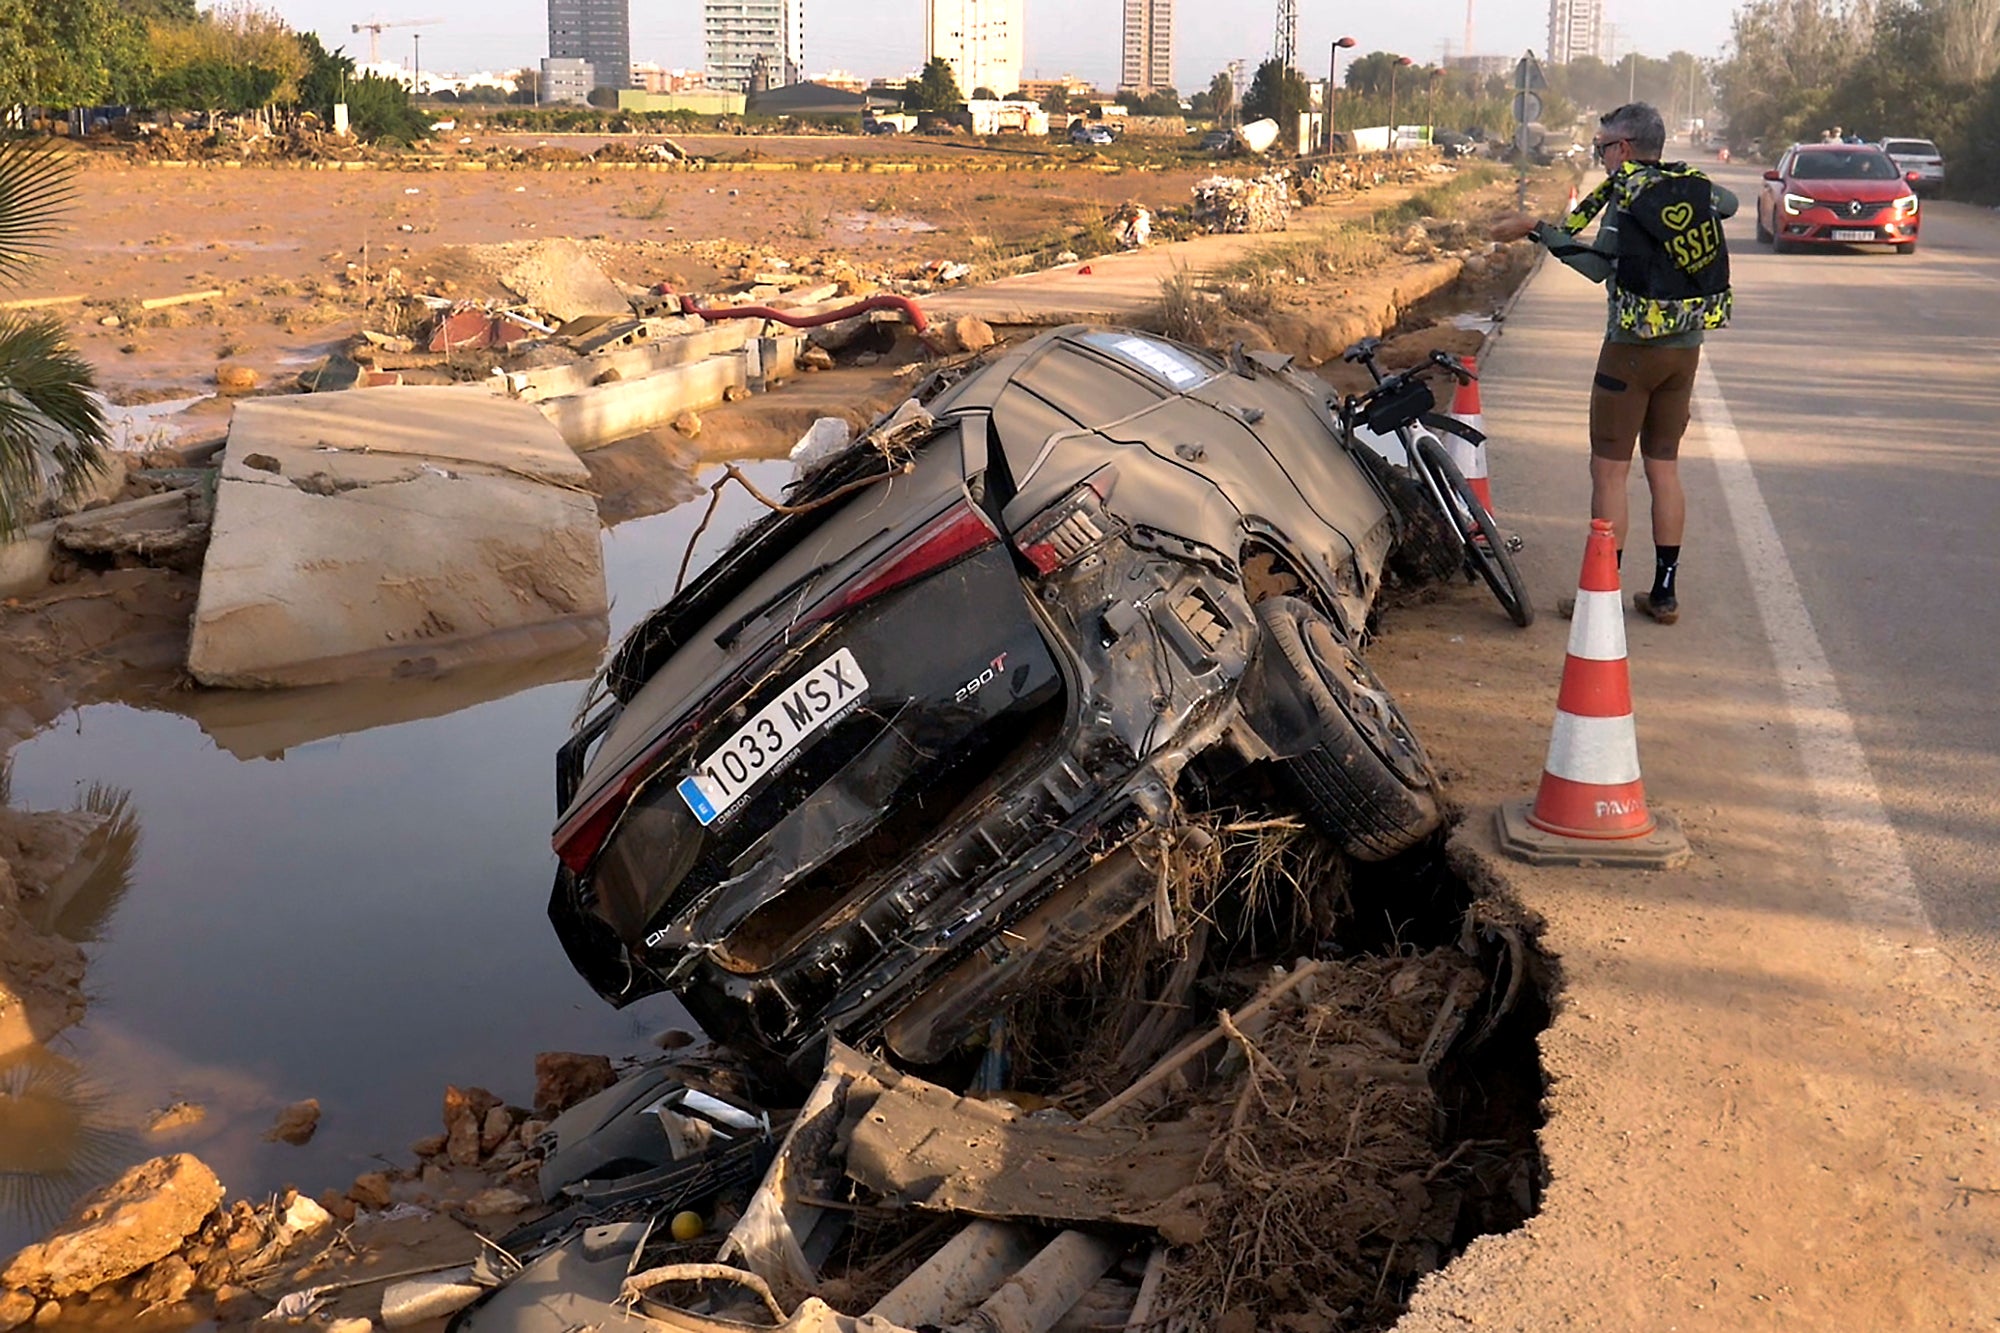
(884, 763)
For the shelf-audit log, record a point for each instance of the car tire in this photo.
(1366, 781)
(1906, 247)
(1781, 246)
(1763, 232)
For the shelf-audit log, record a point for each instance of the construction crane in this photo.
(373, 28)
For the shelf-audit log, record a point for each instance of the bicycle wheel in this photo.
(1485, 548)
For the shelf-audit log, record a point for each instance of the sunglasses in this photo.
(1597, 149)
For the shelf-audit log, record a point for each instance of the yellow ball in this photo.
(687, 1226)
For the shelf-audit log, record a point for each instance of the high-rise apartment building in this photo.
(979, 39)
(598, 32)
(742, 36)
(1576, 29)
(1149, 46)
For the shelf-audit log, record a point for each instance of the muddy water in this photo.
(331, 894)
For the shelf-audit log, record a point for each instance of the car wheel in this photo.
(1906, 247)
(1781, 246)
(1763, 232)
(1366, 781)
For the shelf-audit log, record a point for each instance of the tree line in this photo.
(164, 54)
(1878, 68)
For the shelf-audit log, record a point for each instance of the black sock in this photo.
(1666, 562)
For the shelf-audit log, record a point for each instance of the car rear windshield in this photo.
(1911, 148)
(1840, 166)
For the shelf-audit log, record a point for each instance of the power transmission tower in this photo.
(1286, 47)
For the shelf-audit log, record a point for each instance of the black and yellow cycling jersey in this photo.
(1671, 274)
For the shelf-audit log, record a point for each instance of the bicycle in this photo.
(1463, 535)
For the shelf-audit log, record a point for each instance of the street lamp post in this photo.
(1395, 65)
(1333, 83)
(1431, 108)
(416, 61)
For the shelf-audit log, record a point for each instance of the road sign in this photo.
(1527, 107)
(1528, 77)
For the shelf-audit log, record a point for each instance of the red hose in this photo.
(883, 301)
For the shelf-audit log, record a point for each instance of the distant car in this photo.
(1837, 194)
(879, 127)
(1922, 157)
(1095, 136)
(1217, 141)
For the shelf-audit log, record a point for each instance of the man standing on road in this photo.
(1661, 257)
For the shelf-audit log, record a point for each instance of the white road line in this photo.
(1875, 876)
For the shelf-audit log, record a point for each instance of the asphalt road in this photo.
(1865, 386)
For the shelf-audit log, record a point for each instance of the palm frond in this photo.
(37, 183)
(52, 426)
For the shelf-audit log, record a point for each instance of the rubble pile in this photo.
(1237, 204)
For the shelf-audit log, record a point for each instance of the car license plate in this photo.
(1849, 234)
(781, 728)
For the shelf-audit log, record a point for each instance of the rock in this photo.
(531, 1129)
(816, 358)
(429, 1147)
(262, 463)
(464, 1117)
(435, 1179)
(735, 393)
(178, 1116)
(564, 1078)
(338, 1205)
(16, 1309)
(137, 1220)
(370, 1189)
(304, 1216)
(970, 333)
(688, 424)
(497, 1202)
(111, 321)
(497, 1129)
(296, 1123)
(867, 358)
(232, 378)
(167, 1282)
(355, 1325)
(215, 1274)
(610, 376)
(50, 1312)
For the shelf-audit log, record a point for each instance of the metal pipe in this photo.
(967, 1269)
(1034, 1299)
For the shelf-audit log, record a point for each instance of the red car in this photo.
(1837, 194)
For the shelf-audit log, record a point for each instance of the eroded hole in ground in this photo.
(1354, 1134)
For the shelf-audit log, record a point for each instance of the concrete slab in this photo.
(394, 532)
(607, 413)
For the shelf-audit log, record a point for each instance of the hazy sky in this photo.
(870, 37)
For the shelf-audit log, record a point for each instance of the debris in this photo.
(45, 302)
(688, 1226)
(306, 1216)
(1242, 204)
(297, 1306)
(688, 424)
(432, 1296)
(735, 393)
(138, 1219)
(16, 1309)
(296, 1123)
(564, 1078)
(184, 298)
(498, 1203)
(167, 1282)
(465, 1112)
(815, 358)
(370, 1190)
(824, 438)
(179, 1115)
(1132, 226)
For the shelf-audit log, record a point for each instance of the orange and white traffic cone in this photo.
(1591, 806)
(1470, 457)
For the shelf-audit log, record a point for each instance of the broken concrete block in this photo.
(816, 358)
(970, 333)
(436, 527)
(610, 412)
(138, 1219)
(688, 424)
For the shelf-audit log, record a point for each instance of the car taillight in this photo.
(577, 845)
(1069, 528)
(956, 533)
